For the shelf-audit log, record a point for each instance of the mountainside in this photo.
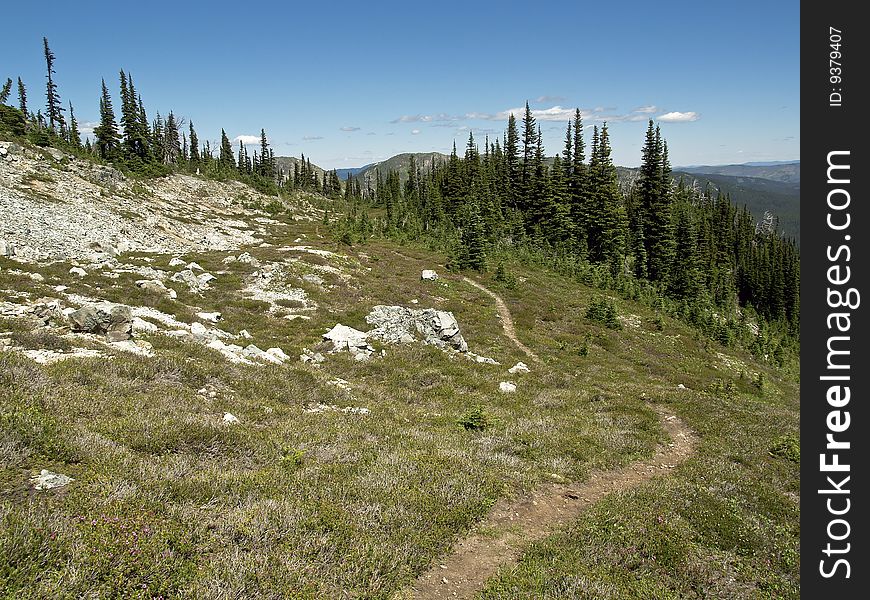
(759, 195)
(781, 198)
(205, 394)
(400, 164)
(788, 172)
(343, 174)
(287, 164)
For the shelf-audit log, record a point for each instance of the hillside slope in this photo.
(227, 449)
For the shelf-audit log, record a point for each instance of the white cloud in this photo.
(310, 138)
(350, 128)
(679, 117)
(415, 132)
(247, 139)
(646, 110)
(550, 99)
(87, 127)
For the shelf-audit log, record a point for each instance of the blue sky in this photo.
(353, 83)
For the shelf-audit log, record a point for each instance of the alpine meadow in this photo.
(450, 354)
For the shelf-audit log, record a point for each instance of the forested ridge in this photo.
(692, 253)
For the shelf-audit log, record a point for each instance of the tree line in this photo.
(127, 138)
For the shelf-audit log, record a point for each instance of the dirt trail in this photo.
(512, 524)
(506, 320)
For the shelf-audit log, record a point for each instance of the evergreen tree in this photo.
(106, 133)
(53, 107)
(22, 98)
(267, 163)
(75, 138)
(530, 142)
(5, 91)
(194, 147)
(512, 162)
(225, 158)
(171, 141)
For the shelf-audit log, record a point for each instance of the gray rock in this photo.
(46, 480)
(428, 275)
(113, 320)
(520, 367)
(347, 338)
(397, 324)
(246, 258)
(507, 387)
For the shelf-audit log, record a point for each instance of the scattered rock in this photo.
(308, 356)
(520, 367)
(246, 258)
(143, 325)
(46, 480)
(211, 317)
(278, 354)
(198, 329)
(156, 286)
(507, 387)
(312, 278)
(194, 266)
(428, 275)
(230, 419)
(195, 283)
(681, 386)
(176, 262)
(78, 271)
(113, 320)
(140, 347)
(397, 324)
(340, 384)
(229, 259)
(347, 338)
(481, 359)
(245, 335)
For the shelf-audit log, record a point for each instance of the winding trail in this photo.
(506, 321)
(512, 524)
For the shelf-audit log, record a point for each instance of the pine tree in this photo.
(267, 164)
(53, 106)
(22, 98)
(225, 159)
(530, 142)
(106, 133)
(172, 143)
(194, 147)
(5, 91)
(511, 158)
(75, 138)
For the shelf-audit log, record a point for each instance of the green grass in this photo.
(292, 503)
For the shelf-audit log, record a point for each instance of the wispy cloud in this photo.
(350, 128)
(311, 138)
(679, 117)
(646, 110)
(415, 132)
(556, 112)
(371, 133)
(247, 139)
(87, 127)
(550, 99)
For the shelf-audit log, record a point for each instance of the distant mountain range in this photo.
(398, 163)
(787, 172)
(286, 163)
